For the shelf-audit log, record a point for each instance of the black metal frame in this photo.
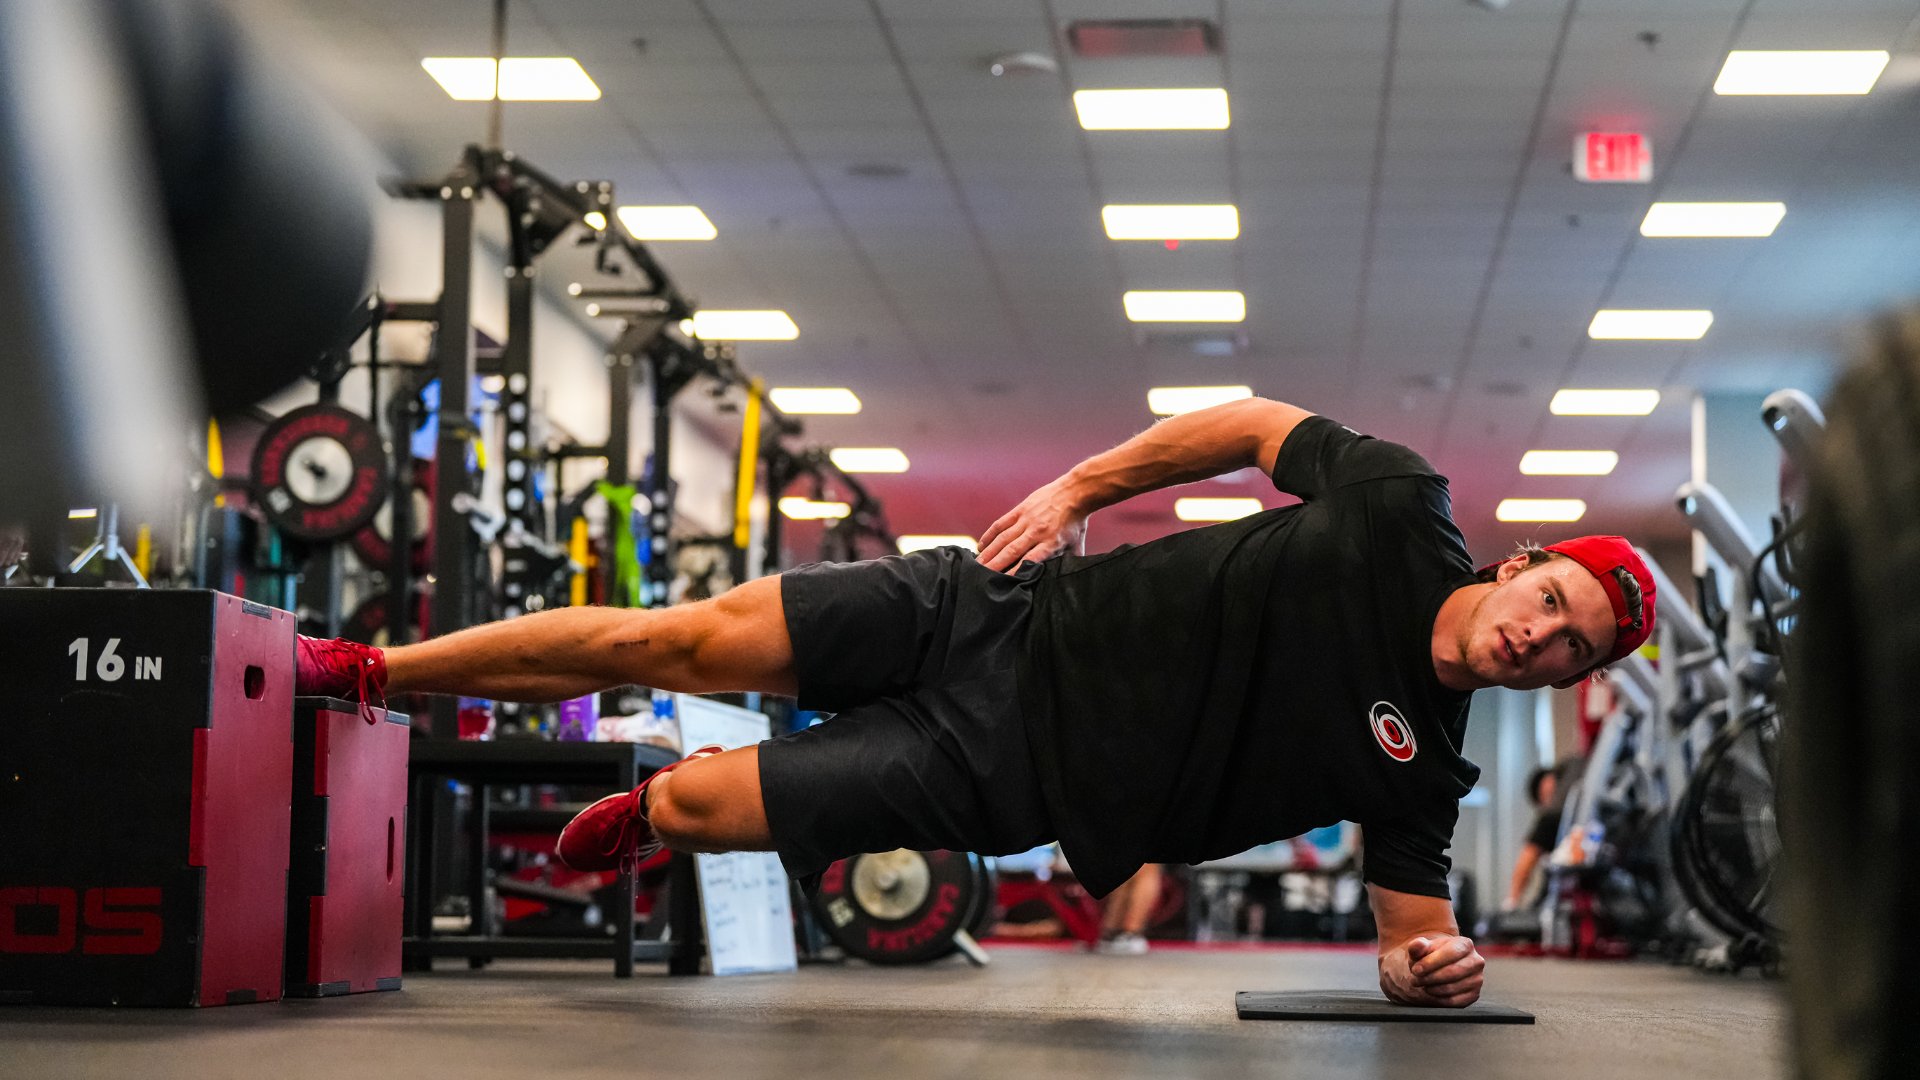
(865, 519)
(540, 209)
(610, 766)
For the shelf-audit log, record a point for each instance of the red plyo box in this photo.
(346, 879)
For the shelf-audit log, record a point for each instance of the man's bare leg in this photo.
(735, 642)
(713, 804)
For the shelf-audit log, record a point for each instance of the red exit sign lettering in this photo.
(1601, 157)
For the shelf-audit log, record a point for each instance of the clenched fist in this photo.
(1439, 970)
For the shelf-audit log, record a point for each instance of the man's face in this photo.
(1539, 626)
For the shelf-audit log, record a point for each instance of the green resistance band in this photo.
(626, 560)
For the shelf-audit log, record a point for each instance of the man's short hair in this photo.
(1535, 556)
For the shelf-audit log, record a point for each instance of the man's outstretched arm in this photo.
(1423, 958)
(1177, 450)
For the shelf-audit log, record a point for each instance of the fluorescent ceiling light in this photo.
(740, 326)
(814, 401)
(545, 78)
(1568, 462)
(1152, 110)
(1604, 402)
(595, 220)
(1541, 510)
(1214, 509)
(1800, 72)
(464, 78)
(82, 515)
(1712, 218)
(922, 542)
(1185, 306)
(799, 509)
(666, 223)
(864, 459)
(1616, 324)
(1171, 222)
(522, 78)
(1173, 400)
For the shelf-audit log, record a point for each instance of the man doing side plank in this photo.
(1173, 701)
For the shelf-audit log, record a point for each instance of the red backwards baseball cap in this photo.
(1613, 563)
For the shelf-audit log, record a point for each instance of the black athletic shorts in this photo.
(915, 653)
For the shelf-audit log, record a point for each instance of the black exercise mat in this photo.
(1366, 1007)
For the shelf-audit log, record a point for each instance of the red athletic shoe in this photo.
(613, 833)
(339, 669)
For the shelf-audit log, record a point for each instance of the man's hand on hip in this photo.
(1045, 524)
(1436, 970)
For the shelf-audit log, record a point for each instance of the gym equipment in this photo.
(1363, 1007)
(840, 542)
(320, 472)
(902, 906)
(1726, 843)
(1850, 754)
(987, 911)
(106, 546)
(144, 824)
(484, 766)
(1726, 835)
(1670, 832)
(540, 210)
(374, 543)
(1797, 422)
(347, 871)
(1708, 512)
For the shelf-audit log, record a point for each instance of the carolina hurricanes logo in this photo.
(1393, 732)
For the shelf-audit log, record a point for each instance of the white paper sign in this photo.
(745, 900)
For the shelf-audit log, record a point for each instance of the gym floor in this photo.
(1035, 1010)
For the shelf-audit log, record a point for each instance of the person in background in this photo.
(1125, 912)
(1543, 790)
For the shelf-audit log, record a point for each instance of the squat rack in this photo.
(540, 209)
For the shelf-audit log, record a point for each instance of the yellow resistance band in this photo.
(578, 551)
(216, 461)
(143, 552)
(749, 460)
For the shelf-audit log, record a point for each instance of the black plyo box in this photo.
(145, 768)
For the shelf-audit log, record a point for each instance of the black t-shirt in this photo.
(1546, 828)
(1242, 683)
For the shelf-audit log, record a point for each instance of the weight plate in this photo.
(863, 903)
(319, 472)
(986, 910)
(374, 543)
(892, 884)
(368, 622)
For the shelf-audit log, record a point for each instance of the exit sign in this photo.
(1612, 158)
